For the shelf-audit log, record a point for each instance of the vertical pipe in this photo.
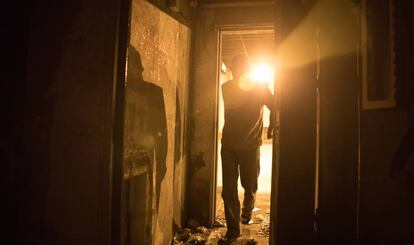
(359, 145)
(318, 119)
(359, 45)
(317, 159)
(359, 169)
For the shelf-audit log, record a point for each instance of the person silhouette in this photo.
(145, 116)
(241, 141)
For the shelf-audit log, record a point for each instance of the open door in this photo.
(295, 137)
(315, 167)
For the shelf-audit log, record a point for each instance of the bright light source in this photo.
(223, 67)
(262, 73)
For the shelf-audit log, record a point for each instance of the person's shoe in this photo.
(245, 219)
(228, 238)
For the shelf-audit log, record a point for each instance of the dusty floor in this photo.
(255, 233)
(259, 229)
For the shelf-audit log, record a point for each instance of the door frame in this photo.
(220, 29)
(118, 108)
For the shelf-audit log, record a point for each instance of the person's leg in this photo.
(249, 172)
(230, 171)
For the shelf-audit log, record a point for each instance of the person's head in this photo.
(135, 67)
(240, 64)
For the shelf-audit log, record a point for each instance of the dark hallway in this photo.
(113, 114)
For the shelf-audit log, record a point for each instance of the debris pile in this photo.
(264, 221)
(219, 223)
(195, 234)
(248, 242)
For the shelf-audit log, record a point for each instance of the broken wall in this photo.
(156, 106)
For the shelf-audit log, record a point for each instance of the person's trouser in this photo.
(248, 161)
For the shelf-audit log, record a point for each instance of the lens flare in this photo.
(261, 73)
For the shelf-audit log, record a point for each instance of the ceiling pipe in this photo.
(233, 4)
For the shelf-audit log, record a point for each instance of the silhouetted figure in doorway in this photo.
(241, 141)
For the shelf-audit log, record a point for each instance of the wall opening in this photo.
(258, 45)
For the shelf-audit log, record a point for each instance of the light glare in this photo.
(261, 73)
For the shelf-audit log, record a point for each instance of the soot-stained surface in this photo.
(163, 47)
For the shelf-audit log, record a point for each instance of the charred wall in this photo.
(155, 109)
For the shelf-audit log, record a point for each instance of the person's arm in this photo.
(271, 127)
(268, 100)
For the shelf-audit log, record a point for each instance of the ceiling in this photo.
(258, 45)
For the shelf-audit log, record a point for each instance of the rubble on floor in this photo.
(197, 234)
(264, 221)
(219, 223)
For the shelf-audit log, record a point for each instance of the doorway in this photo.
(258, 45)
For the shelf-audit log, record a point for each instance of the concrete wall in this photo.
(204, 98)
(160, 46)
